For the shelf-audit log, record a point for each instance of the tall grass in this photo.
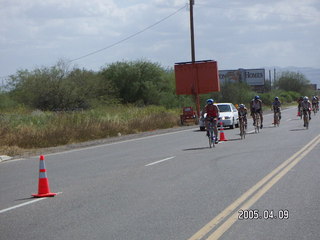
(37, 129)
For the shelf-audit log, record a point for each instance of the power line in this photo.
(123, 40)
(130, 36)
(300, 14)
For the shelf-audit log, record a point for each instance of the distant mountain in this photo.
(312, 74)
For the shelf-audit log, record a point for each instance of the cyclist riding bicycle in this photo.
(306, 106)
(212, 113)
(256, 107)
(300, 100)
(315, 102)
(276, 106)
(242, 112)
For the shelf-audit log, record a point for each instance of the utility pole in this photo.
(193, 59)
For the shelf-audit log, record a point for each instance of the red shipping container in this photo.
(197, 78)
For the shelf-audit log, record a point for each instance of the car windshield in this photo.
(224, 108)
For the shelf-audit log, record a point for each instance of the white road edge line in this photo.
(163, 160)
(109, 144)
(24, 204)
(21, 205)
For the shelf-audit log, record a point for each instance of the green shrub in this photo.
(292, 81)
(6, 102)
(284, 96)
(294, 96)
(57, 88)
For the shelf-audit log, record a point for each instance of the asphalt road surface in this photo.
(173, 186)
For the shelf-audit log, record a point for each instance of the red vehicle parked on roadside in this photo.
(188, 116)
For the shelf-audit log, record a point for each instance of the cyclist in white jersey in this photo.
(306, 106)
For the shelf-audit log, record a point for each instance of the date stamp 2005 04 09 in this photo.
(252, 214)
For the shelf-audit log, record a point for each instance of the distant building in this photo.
(253, 77)
(313, 87)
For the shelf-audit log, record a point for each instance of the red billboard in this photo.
(197, 77)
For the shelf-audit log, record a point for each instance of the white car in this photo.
(228, 116)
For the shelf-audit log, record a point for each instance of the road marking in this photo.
(110, 144)
(20, 205)
(260, 188)
(163, 160)
(24, 204)
(231, 220)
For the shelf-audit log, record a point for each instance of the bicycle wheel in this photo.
(307, 123)
(257, 123)
(277, 119)
(306, 120)
(242, 129)
(211, 138)
(210, 141)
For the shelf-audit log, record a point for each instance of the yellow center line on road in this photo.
(272, 178)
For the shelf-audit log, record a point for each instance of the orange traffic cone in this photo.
(222, 137)
(43, 187)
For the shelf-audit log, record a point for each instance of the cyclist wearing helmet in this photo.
(256, 107)
(212, 114)
(315, 102)
(300, 100)
(242, 112)
(306, 106)
(276, 108)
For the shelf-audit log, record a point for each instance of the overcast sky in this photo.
(236, 33)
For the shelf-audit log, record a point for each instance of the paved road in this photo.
(172, 186)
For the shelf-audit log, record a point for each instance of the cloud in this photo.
(169, 3)
(38, 32)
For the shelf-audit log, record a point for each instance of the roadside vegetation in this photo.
(58, 105)
(40, 129)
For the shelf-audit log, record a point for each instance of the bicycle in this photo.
(300, 111)
(256, 122)
(242, 127)
(277, 118)
(305, 119)
(212, 137)
(314, 108)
